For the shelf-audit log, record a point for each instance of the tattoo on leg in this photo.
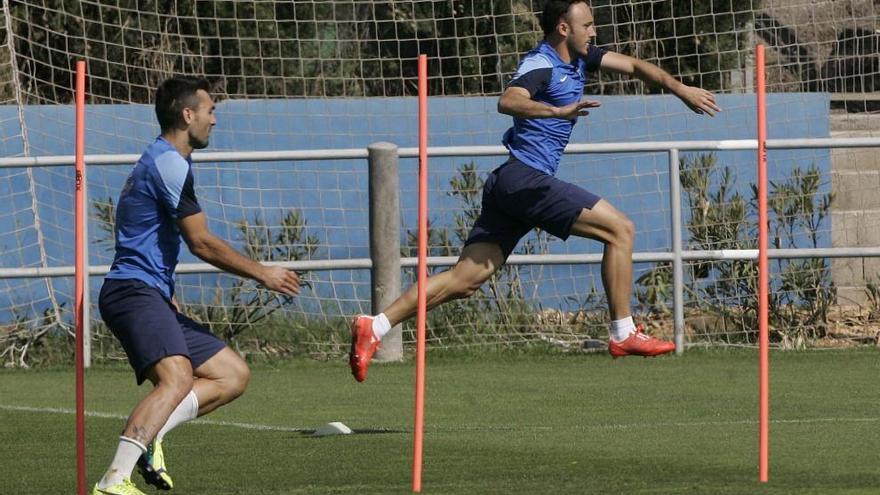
(140, 434)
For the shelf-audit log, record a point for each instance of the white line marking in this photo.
(95, 414)
(298, 429)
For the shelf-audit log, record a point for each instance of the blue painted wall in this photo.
(332, 194)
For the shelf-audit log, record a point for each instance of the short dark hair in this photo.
(554, 10)
(175, 94)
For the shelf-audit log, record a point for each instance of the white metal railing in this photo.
(677, 254)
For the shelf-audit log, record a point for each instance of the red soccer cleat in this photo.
(363, 345)
(639, 344)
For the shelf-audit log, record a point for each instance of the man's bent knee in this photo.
(623, 231)
(627, 231)
(228, 371)
(174, 374)
(237, 381)
(464, 285)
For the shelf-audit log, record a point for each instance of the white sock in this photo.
(622, 329)
(188, 409)
(381, 325)
(126, 457)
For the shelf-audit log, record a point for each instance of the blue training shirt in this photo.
(158, 192)
(539, 143)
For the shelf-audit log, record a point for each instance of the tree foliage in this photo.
(698, 42)
(726, 291)
(342, 48)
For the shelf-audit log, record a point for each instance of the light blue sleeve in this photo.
(172, 170)
(532, 62)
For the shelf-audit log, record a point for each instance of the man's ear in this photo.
(563, 28)
(188, 115)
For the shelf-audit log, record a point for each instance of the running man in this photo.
(544, 99)
(192, 371)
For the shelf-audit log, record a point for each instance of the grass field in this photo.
(495, 423)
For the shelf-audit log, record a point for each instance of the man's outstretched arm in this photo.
(215, 251)
(697, 99)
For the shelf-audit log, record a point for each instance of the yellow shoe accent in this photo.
(124, 488)
(151, 465)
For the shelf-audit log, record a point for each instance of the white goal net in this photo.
(341, 75)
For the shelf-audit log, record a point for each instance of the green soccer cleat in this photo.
(151, 465)
(124, 488)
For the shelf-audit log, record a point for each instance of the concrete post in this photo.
(385, 240)
(677, 249)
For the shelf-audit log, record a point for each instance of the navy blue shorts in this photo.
(149, 328)
(518, 198)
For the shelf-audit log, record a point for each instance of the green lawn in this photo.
(494, 423)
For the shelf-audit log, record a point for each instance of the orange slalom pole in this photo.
(421, 315)
(763, 276)
(79, 277)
